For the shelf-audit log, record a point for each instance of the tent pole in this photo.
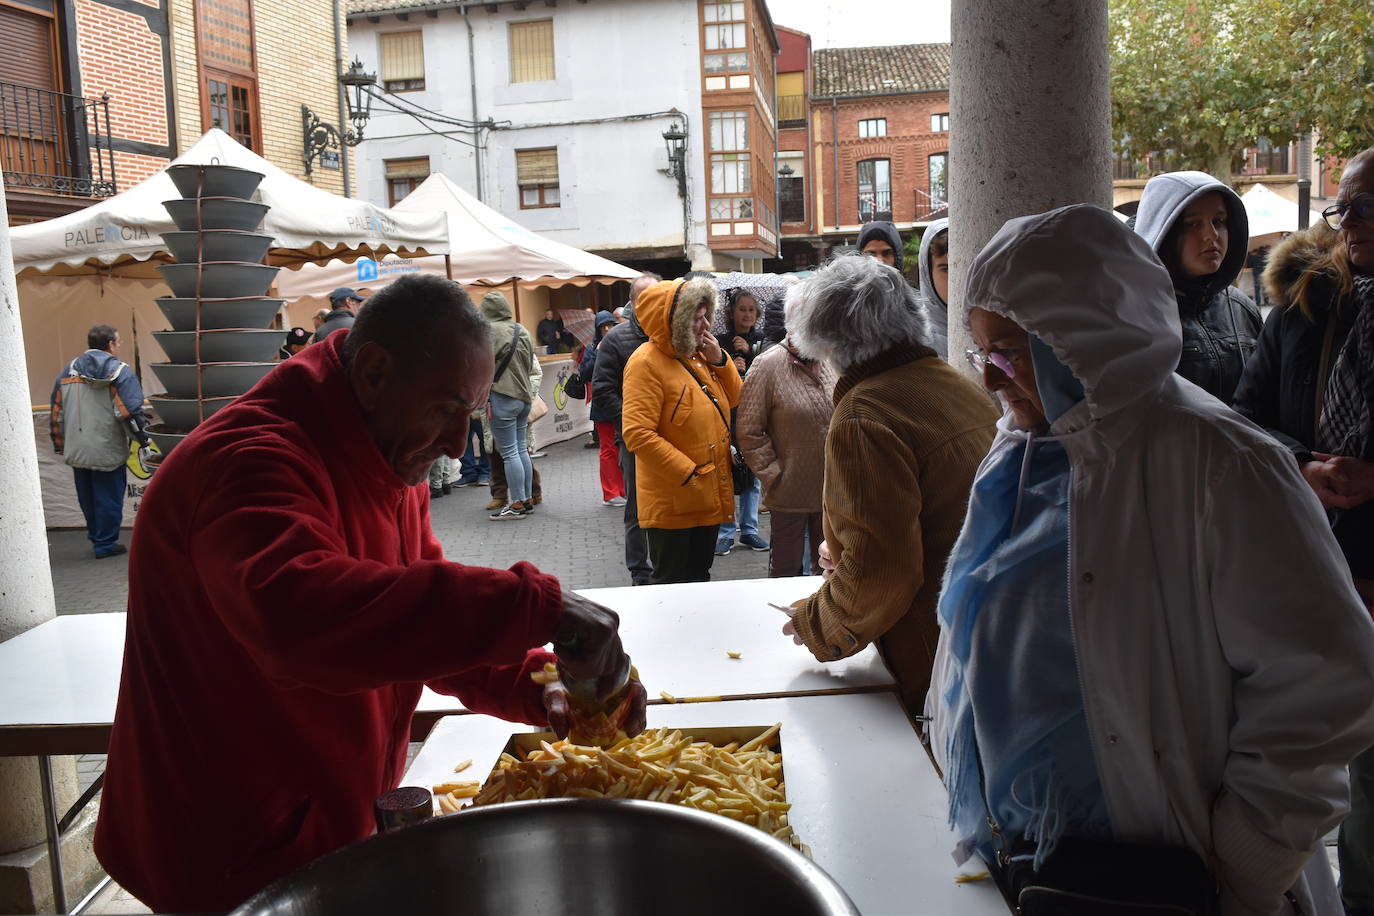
(515, 293)
(448, 266)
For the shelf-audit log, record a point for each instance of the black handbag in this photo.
(574, 387)
(740, 476)
(1097, 878)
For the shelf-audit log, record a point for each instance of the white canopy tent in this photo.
(1271, 215)
(120, 235)
(488, 250)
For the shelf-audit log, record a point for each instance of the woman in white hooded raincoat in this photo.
(1148, 634)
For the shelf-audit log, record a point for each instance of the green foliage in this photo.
(1200, 80)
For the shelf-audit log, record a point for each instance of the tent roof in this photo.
(1270, 212)
(490, 248)
(121, 234)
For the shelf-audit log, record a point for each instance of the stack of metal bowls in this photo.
(221, 342)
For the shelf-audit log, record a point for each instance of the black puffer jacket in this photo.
(612, 354)
(1220, 323)
(1279, 388)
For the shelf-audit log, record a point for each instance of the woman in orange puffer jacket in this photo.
(679, 389)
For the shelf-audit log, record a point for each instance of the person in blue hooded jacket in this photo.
(1152, 669)
(97, 410)
(1198, 228)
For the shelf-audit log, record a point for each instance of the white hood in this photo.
(1094, 291)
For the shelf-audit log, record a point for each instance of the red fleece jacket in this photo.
(287, 600)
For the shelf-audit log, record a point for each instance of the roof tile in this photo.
(881, 71)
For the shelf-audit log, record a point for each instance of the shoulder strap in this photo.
(505, 360)
(706, 391)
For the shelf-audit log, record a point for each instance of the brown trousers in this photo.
(789, 531)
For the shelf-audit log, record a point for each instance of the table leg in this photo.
(59, 889)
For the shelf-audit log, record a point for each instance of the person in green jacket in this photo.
(511, 397)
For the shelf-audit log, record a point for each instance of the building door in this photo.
(32, 153)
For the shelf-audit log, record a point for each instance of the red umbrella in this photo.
(580, 323)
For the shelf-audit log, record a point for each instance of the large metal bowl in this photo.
(218, 380)
(218, 180)
(598, 857)
(219, 279)
(216, 213)
(217, 245)
(229, 345)
(184, 413)
(250, 312)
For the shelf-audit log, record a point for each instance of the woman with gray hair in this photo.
(904, 443)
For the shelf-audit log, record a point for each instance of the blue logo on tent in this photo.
(367, 270)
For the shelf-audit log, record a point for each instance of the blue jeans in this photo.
(101, 497)
(509, 418)
(474, 466)
(747, 517)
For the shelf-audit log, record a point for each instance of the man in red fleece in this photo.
(287, 601)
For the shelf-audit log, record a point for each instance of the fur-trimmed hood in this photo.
(665, 311)
(1296, 255)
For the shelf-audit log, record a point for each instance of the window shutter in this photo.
(26, 47)
(403, 56)
(536, 166)
(531, 51)
(408, 168)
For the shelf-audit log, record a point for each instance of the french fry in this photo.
(741, 782)
(547, 676)
(444, 788)
(462, 766)
(729, 654)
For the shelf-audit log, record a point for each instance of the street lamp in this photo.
(675, 138)
(321, 136)
(786, 171)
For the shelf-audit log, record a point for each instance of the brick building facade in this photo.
(877, 141)
(102, 93)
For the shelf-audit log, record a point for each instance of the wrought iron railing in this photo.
(875, 205)
(930, 208)
(791, 109)
(52, 141)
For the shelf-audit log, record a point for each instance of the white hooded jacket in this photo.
(1227, 663)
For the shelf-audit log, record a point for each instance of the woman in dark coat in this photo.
(742, 340)
(1310, 384)
(612, 481)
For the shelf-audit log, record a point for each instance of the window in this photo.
(937, 167)
(228, 70)
(233, 106)
(732, 208)
(531, 51)
(1264, 158)
(873, 127)
(730, 173)
(536, 171)
(404, 176)
(792, 193)
(727, 34)
(403, 61)
(729, 130)
(939, 123)
(875, 189)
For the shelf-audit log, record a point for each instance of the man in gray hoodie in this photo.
(97, 409)
(933, 270)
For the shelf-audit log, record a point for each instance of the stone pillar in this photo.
(26, 593)
(1030, 122)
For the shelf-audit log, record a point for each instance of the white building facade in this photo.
(555, 114)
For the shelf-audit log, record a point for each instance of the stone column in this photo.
(1030, 122)
(26, 596)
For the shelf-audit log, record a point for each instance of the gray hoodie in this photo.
(936, 308)
(1220, 323)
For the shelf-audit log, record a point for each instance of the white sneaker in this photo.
(614, 501)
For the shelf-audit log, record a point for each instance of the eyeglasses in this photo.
(1004, 361)
(1362, 205)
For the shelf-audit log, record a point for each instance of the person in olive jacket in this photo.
(1198, 228)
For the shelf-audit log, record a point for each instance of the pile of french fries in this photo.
(739, 781)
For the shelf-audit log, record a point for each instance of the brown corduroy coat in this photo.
(908, 434)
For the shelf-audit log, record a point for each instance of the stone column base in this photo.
(26, 882)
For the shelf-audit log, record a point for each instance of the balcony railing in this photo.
(875, 205)
(52, 141)
(791, 109)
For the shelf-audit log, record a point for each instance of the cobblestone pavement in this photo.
(571, 535)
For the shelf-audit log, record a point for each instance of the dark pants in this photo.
(1355, 845)
(789, 532)
(682, 554)
(636, 545)
(101, 496)
(499, 488)
(474, 465)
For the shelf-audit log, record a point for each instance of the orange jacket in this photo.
(680, 442)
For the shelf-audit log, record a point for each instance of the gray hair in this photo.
(854, 308)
